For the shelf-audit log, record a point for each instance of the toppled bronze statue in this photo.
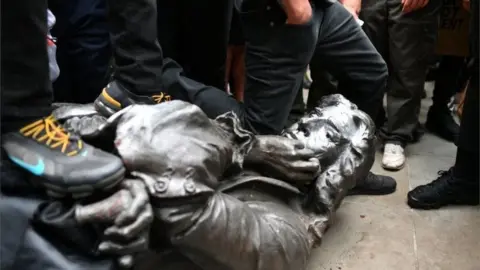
(212, 195)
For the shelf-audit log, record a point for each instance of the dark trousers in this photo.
(450, 79)
(83, 49)
(406, 42)
(195, 34)
(323, 84)
(277, 55)
(469, 126)
(137, 54)
(25, 85)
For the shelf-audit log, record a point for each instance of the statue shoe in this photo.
(375, 185)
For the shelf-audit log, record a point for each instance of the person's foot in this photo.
(375, 185)
(441, 123)
(443, 191)
(393, 156)
(115, 97)
(64, 164)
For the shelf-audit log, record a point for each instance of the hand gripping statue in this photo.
(207, 194)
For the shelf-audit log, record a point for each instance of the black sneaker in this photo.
(441, 123)
(443, 191)
(375, 185)
(64, 164)
(115, 97)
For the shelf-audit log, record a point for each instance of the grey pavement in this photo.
(383, 233)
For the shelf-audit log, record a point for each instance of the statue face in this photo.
(335, 126)
(343, 139)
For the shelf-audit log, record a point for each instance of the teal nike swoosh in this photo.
(38, 169)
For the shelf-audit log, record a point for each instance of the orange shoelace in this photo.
(162, 97)
(54, 135)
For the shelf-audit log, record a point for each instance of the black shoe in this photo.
(64, 164)
(443, 191)
(441, 123)
(115, 97)
(375, 185)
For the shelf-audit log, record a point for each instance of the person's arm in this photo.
(412, 5)
(353, 6)
(298, 11)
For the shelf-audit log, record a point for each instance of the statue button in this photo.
(189, 187)
(160, 186)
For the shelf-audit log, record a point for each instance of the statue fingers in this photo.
(106, 210)
(140, 200)
(141, 223)
(109, 247)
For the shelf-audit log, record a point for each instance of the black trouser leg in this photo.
(344, 50)
(207, 27)
(447, 81)
(323, 84)
(275, 65)
(25, 84)
(195, 34)
(406, 41)
(298, 109)
(83, 49)
(138, 55)
(466, 166)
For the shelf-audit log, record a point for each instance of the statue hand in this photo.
(130, 214)
(283, 158)
(81, 119)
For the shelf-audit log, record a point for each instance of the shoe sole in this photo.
(355, 192)
(426, 206)
(393, 169)
(84, 190)
(104, 107)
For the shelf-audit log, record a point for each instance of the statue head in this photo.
(336, 125)
(343, 138)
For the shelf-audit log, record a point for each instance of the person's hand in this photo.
(283, 158)
(412, 5)
(353, 6)
(130, 213)
(466, 4)
(298, 11)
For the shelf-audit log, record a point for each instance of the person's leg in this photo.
(84, 52)
(137, 55)
(350, 57)
(439, 118)
(26, 88)
(460, 185)
(205, 32)
(277, 55)
(61, 162)
(323, 84)
(411, 42)
(298, 109)
(374, 14)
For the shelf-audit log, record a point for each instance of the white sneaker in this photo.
(393, 157)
